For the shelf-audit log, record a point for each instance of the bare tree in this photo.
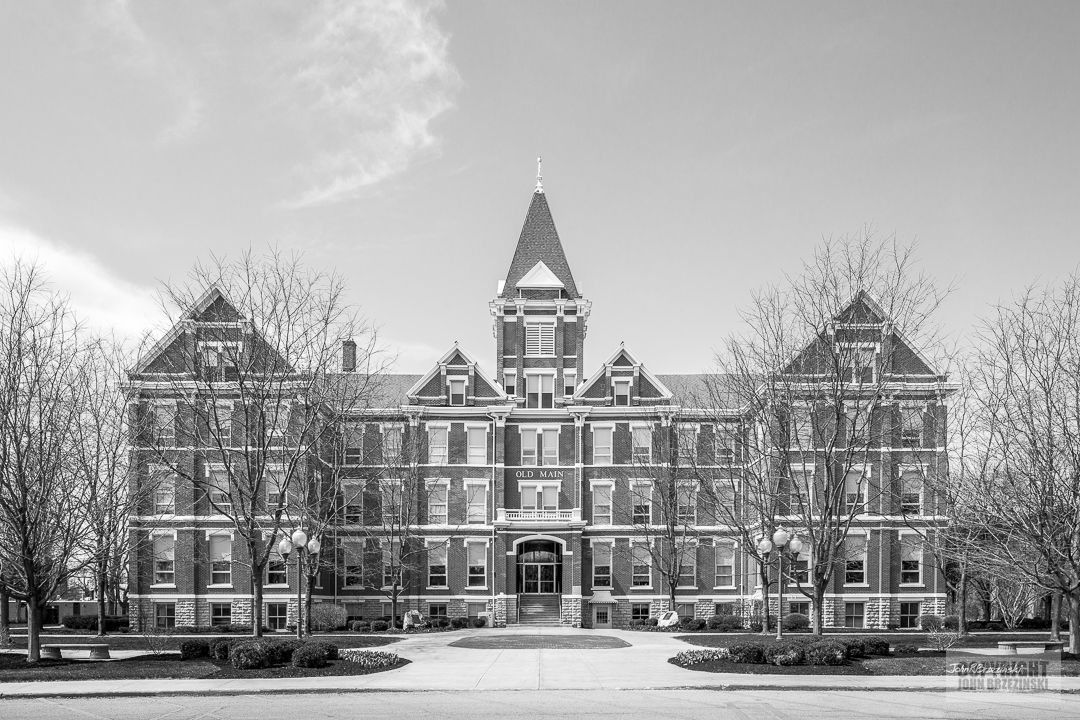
(44, 377)
(251, 389)
(815, 372)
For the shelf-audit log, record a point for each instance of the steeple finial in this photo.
(539, 175)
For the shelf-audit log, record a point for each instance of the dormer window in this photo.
(510, 383)
(622, 393)
(569, 382)
(457, 392)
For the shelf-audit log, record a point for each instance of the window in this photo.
(910, 561)
(685, 609)
(473, 610)
(854, 492)
(800, 567)
(438, 450)
(688, 566)
(857, 364)
(437, 503)
(539, 338)
(800, 607)
(641, 562)
(437, 566)
(911, 492)
(354, 445)
(725, 608)
(909, 614)
(539, 391)
(854, 615)
(855, 560)
(275, 483)
(391, 502)
(686, 503)
(800, 428)
(726, 491)
(539, 497)
(164, 560)
(510, 383)
(799, 487)
(220, 614)
(569, 382)
(686, 437)
(221, 425)
(436, 610)
(477, 554)
(457, 392)
(276, 573)
(911, 427)
(641, 495)
(477, 445)
(277, 615)
(724, 440)
(601, 504)
(393, 435)
(641, 438)
(164, 615)
(352, 503)
(165, 496)
(639, 611)
(391, 564)
(725, 564)
(601, 571)
(163, 417)
(220, 560)
(476, 501)
(539, 446)
(277, 422)
(353, 552)
(602, 444)
(622, 392)
(220, 498)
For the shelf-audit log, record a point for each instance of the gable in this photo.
(540, 277)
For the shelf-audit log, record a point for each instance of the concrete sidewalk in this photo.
(436, 666)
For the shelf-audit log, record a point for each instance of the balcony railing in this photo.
(539, 515)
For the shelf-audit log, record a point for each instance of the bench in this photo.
(1012, 646)
(98, 651)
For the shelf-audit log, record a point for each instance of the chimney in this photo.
(348, 356)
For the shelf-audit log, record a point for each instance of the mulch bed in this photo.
(931, 664)
(14, 668)
(172, 642)
(540, 642)
(920, 639)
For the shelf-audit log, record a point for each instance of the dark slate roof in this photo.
(702, 391)
(388, 390)
(539, 241)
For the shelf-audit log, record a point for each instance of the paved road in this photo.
(618, 705)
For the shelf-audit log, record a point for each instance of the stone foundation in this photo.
(570, 612)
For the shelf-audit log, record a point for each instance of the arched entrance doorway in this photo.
(539, 565)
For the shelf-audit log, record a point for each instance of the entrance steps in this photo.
(540, 610)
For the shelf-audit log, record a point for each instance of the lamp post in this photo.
(299, 542)
(782, 542)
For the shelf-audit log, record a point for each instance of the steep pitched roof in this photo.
(539, 243)
(456, 357)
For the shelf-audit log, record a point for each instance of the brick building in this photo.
(537, 481)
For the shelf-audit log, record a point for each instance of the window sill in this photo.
(274, 586)
(219, 586)
(912, 585)
(602, 587)
(856, 585)
(723, 587)
(687, 587)
(163, 586)
(477, 587)
(438, 587)
(640, 587)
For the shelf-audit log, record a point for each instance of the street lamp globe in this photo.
(779, 538)
(314, 546)
(299, 538)
(764, 545)
(795, 545)
(284, 547)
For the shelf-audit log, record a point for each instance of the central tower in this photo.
(540, 317)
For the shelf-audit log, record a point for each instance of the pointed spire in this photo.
(539, 243)
(539, 174)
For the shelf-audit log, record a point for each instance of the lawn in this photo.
(127, 641)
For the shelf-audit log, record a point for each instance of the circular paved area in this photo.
(540, 642)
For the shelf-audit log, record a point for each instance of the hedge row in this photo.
(796, 651)
(113, 623)
(256, 654)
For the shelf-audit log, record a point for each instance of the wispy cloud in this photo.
(376, 74)
(100, 298)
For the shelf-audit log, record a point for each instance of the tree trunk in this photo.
(308, 602)
(961, 613)
(1074, 622)
(5, 622)
(256, 602)
(766, 612)
(1055, 616)
(33, 629)
(819, 610)
(393, 605)
(102, 581)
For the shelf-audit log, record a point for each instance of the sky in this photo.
(693, 152)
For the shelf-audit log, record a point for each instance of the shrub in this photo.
(853, 646)
(459, 622)
(379, 626)
(219, 649)
(826, 652)
(370, 659)
(478, 622)
(725, 623)
(637, 623)
(360, 626)
(1034, 624)
(930, 623)
(191, 649)
(328, 649)
(875, 646)
(785, 653)
(686, 622)
(187, 630)
(280, 652)
(238, 629)
(249, 655)
(950, 622)
(310, 655)
(327, 616)
(794, 622)
(942, 640)
(756, 626)
(696, 657)
(113, 623)
(906, 649)
(652, 622)
(747, 652)
(698, 624)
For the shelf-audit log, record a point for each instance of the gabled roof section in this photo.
(623, 360)
(457, 357)
(539, 243)
(211, 306)
(540, 277)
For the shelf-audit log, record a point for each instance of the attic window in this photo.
(540, 338)
(457, 392)
(622, 393)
